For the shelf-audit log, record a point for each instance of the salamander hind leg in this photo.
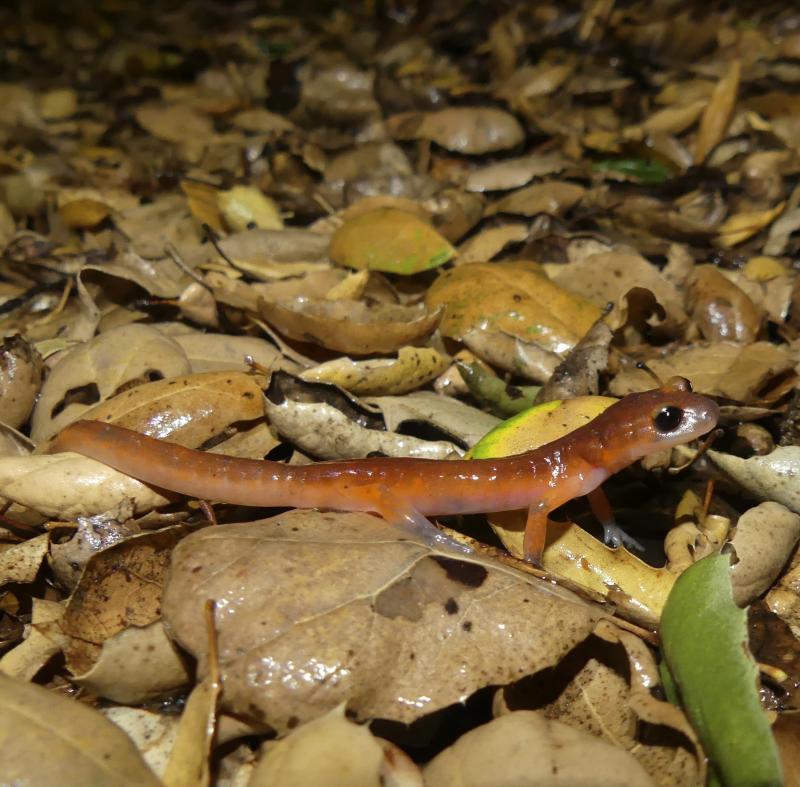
(398, 511)
(535, 538)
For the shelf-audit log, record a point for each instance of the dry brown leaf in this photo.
(609, 276)
(490, 242)
(738, 228)
(742, 373)
(718, 113)
(514, 297)
(515, 172)
(21, 562)
(554, 197)
(65, 486)
(136, 665)
(389, 240)
(120, 587)
(523, 749)
(49, 739)
(21, 373)
(221, 352)
(471, 130)
(101, 367)
(350, 326)
(344, 593)
(175, 123)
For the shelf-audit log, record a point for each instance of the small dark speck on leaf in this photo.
(470, 574)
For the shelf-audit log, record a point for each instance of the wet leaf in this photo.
(430, 610)
(21, 373)
(389, 240)
(643, 170)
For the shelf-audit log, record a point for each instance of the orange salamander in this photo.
(405, 490)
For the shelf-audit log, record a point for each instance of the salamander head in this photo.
(647, 422)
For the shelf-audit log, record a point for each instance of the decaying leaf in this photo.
(21, 372)
(324, 637)
(413, 367)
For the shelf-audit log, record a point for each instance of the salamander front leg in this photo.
(397, 511)
(535, 534)
(613, 535)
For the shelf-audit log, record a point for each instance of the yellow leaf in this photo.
(245, 207)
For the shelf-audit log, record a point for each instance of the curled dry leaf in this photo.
(471, 130)
(49, 739)
(153, 733)
(65, 486)
(771, 477)
(742, 373)
(512, 297)
(21, 370)
(345, 592)
(741, 226)
(554, 197)
(763, 542)
(524, 749)
(720, 308)
(390, 240)
(413, 367)
(325, 431)
(120, 588)
(350, 326)
(96, 370)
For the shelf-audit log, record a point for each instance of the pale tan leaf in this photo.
(462, 129)
(49, 739)
(738, 228)
(64, 486)
(718, 113)
(21, 562)
(523, 749)
(554, 197)
(246, 207)
(43, 641)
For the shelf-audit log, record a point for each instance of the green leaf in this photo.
(503, 399)
(645, 170)
(704, 642)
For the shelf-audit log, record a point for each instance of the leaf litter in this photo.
(376, 230)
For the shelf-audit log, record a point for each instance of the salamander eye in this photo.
(668, 419)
